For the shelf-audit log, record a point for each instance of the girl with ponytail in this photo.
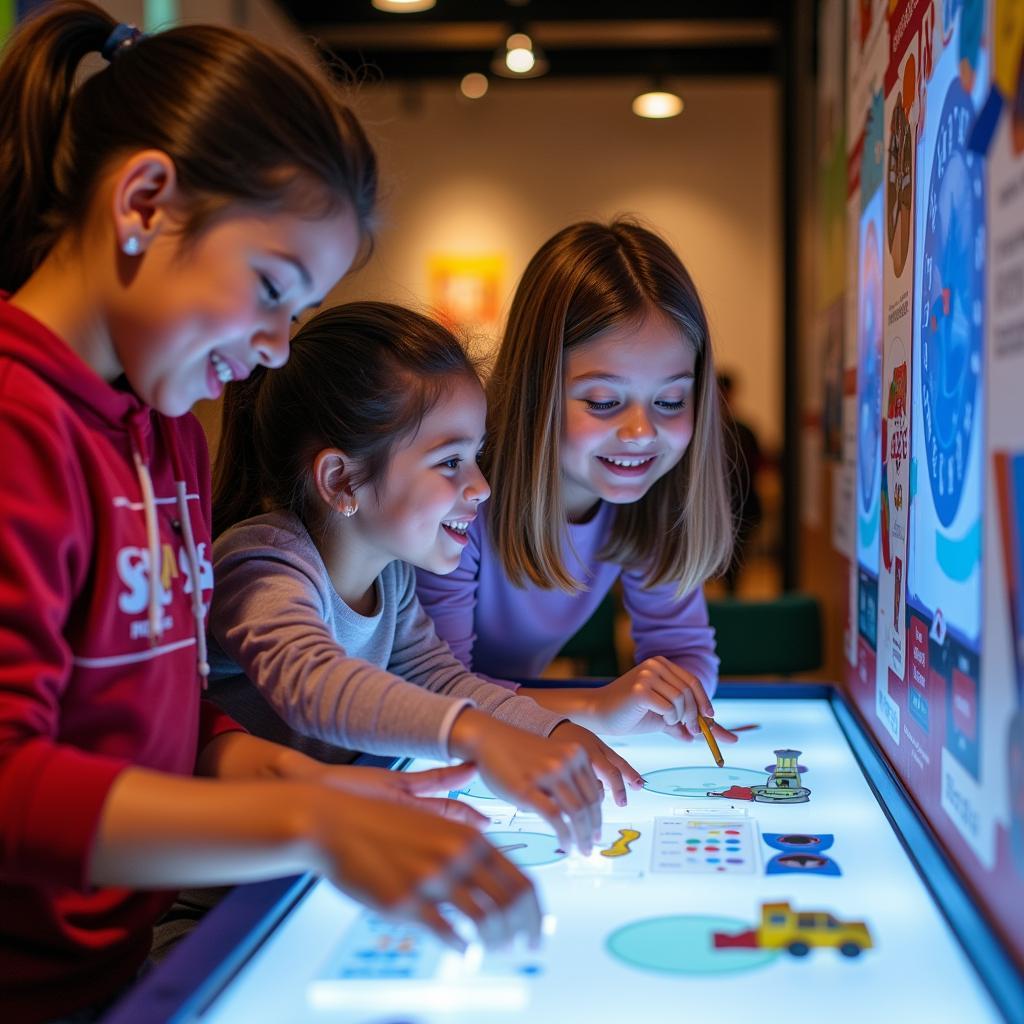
(163, 220)
(336, 477)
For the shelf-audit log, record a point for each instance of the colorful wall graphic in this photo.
(935, 340)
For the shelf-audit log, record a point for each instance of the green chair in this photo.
(767, 638)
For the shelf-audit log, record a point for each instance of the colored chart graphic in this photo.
(693, 846)
(684, 945)
(700, 782)
(527, 849)
(952, 326)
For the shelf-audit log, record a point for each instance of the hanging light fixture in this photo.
(657, 102)
(403, 6)
(518, 57)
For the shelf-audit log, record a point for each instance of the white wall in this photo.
(504, 173)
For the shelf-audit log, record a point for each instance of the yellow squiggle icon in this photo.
(621, 845)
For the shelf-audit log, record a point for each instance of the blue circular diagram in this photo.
(952, 294)
(684, 945)
(697, 781)
(527, 849)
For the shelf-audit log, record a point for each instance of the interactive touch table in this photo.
(806, 889)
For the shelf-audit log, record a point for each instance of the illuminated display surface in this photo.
(657, 924)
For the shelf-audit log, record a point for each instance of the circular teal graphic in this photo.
(684, 945)
(694, 781)
(527, 849)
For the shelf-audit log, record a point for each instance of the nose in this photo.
(273, 343)
(477, 488)
(636, 427)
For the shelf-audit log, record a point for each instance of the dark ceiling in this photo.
(580, 37)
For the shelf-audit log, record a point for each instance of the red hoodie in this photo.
(84, 692)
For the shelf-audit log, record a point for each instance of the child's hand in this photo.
(551, 776)
(413, 789)
(406, 862)
(655, 695)
(614, 770)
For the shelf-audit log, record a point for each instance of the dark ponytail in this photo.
(37, 73)
(243, 122)
(360, 378)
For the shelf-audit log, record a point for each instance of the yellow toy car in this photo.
(797, 931)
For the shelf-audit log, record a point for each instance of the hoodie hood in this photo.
(25, 339)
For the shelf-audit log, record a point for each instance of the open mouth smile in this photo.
(457, 529)
(627, 465)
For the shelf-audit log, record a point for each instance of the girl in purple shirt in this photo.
(604, 456)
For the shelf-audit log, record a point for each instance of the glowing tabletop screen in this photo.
(788, 894)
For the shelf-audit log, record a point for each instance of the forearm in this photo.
(575, 702)
(165, 831)
(238, 756)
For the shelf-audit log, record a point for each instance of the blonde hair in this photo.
(586, 279)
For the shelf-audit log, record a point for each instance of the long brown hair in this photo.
(243, 122)
(587, 279)
(360, 378)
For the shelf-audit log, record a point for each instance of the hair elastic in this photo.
(122, 37)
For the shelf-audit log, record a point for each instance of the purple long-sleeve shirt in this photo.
(503, 631)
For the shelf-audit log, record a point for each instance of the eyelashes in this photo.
(665, 405)
(271, 293)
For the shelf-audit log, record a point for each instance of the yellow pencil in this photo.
(709, 736)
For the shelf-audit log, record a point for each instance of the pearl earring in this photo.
(132, 246)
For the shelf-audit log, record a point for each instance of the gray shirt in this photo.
(383, 683)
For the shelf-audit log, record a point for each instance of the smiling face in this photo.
(628, 419)
(187, 321)
(420, 510)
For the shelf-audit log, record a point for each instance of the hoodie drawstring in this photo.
(202, 664)
(191, 551)
(156, 619)
(156, 625)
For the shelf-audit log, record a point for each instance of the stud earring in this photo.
(132, 246)
(349, 510)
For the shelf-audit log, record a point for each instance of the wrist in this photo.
(303, 816)
(469, 731)
(292, 766)
(570, 700)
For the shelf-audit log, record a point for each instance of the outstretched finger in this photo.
(721, 732)
(519, 898)
(485, 914)
(540, 802)
(679, 732)
(439, 780)
(429, 915)
(577, 810)
(611, 775)
(692, 683)
(454, 810)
